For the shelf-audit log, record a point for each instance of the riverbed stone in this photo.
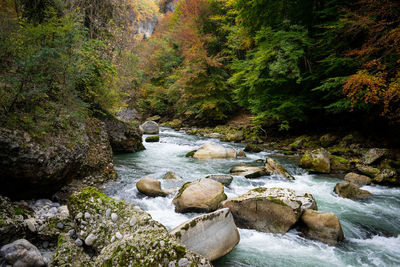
(322, 226)
(373, 155)
(212, 235)
(316, 161)
(271, 210)
(357, 179)
(203, 195)
(172, 176)
(212, 151)
(253, 148)
(133, 249)
(21, 253)
(247, 171)
(349, 190)
(222, 178)
(149, 127)
(274, 168)
(150, 187)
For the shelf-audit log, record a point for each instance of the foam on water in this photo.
(371, 227)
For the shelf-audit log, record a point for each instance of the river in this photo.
(371, 227)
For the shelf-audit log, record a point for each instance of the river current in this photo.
(371, 227)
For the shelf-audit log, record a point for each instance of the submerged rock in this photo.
(349, 190)
(272, 167)
(322, 226)
(357, 179)
(136, 240)
(222, 178)
(247, 171)
(253, 148)
(203, 195)
(212, 235)
(149, 127)
(172, 176)
(22, 253)
(150, 187)
(211, 151)
(271, 210)
(316, 161)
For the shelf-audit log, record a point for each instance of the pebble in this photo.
(114, 217)
(79, 215)
(183, 262)
(118, 235)
(31, 223)
(60, 225)
(108, 213)
(90, 239)
(71, 232)
(112, 239)
(132, 221)
(78, 242)
(45, 244)
(87, 215)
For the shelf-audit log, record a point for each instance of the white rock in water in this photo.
(90, 239)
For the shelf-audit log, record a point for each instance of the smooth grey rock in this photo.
(114, 217)
(118, 235)
(149, 127)
(87, 215)
(212, 151)
(21, 253)
(212, 235)
(78, 242)
(150, 187)
(108, 212)
(90, 239)
(60, 225)
(222, 178)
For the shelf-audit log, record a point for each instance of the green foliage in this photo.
(268, 79)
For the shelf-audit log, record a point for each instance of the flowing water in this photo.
(371, 227)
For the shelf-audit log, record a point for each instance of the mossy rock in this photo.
(190, 154)
(316, 161)
(253, 148)
(120, 234)
(339, 164)
(152, 139)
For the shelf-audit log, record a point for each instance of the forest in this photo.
(289, 64)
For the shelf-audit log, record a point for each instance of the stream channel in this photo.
(371, 227)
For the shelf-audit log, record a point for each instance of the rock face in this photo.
(357, 179)
(223, 179)
(247, 171)
(271, 210)
(211, 235)
(322, 226)
(272, 167)
(373, 155)
(316, 161)
(21, 253)
(150, 187)
(123, 137)
(149, 127)
(172, 176)
(38, 168)
(120, 235)
(203, 195)
(211, 151)
(349, 190)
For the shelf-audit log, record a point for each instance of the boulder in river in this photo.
(203, 195)
(152, 139)
(316, 161)
(150, 187)
(247, 171)
(211, 235)
(21, 253)
(357, 179)
(149, 127)
(120, 234)
(172, 176)
(222, 178)
(271, 210)
(212, 151)
(349, 190)
(322, 226)
(273, 167)
(253, 148)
